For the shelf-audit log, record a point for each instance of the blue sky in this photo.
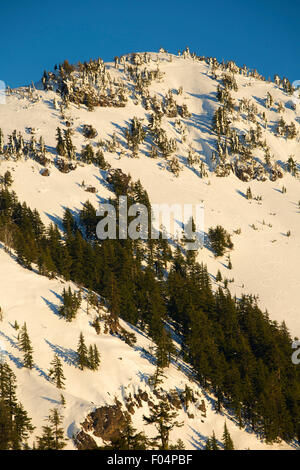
(37, 34)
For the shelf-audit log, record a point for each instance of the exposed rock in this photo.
(106, 422)
(84, 441)
(64, 166)
(174, 399)
(91, 189)
(138, 400)
(42, 159)
(130, 408)
(158, 395)
(144, 396)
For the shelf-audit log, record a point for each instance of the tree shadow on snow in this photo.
(68, 355)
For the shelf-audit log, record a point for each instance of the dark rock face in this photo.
(45, 172)
(105, 422)
(144, 396)
(85, 442)
(108, 421)
(174, 400)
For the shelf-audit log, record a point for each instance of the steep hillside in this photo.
(193, 161)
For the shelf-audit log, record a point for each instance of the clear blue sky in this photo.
(37, 34)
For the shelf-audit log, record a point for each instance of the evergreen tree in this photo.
(220, 240)
(56, 372)
(226, 439)
(214, 444)
(25, 346)
(53, 434)
(249, 193)
(130, 439)
(229, 263)
(82, 353)
(164, 420)
(47, 440)
(96, 357)
(208, 444)
(7, 179)
(71, 304)
(15, 425)
(87, 154)
(60, 147)
(211, 443)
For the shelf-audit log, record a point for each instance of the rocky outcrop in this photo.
(84, 441)
(106, 422)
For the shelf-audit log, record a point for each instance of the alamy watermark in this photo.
(296, 354)
(2, 92)
(173, 222)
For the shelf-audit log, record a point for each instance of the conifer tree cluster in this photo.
(65, 147)
(212, 443)
(164, 419)
(53, 434)
(70, 304)
(234, 348)
(15, 425)
(88, 84)
(87, 357)
(220, 240)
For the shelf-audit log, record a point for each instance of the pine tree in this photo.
(178, 446)
(220, 240)
(56, 372)
(47, 440)
(96, 357)
(70, 148)
(214, 444)
(188, 396)
(7, 179)
(91, 360)
(96, 325)
(129, 438)
(87, 154)
(82, 353)
(71, 304)
(99, 160)
(158, 376)
(55, 420)
(164, 420)
(208, 444)
(25, 346)
(53, 435)
(226, 439)
(229, 263)
(211, 443)
(15, 425)
(60, 147)
(249, 193)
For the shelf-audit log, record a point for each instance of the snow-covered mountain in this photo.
(265, 230)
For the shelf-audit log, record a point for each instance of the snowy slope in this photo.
(34, 299)
(264, 260)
